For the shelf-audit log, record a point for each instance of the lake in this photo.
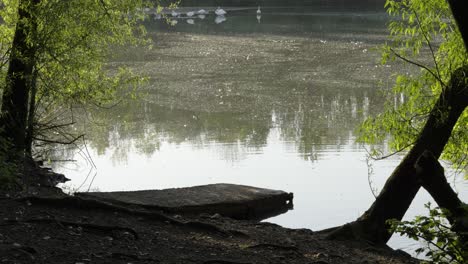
(270, 100)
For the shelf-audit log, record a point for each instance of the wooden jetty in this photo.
(231, 200)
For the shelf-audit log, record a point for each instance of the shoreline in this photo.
(58, 228)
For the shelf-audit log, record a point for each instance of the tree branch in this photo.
(430, 46)
(419, 65)
(58, 141)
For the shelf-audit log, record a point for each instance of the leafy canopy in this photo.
(73, 41)
(424, 33)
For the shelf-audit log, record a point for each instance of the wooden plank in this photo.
(236, 201)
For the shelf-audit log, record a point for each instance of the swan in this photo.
(220, 12)
(259, 12)
(190, 14)
(174, 13)
(220, 19)
(202, 12)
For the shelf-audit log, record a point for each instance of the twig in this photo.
(56, 126)
(391, 154)
(419, 65)
(370, 171)
(58, 141)
(430, 46)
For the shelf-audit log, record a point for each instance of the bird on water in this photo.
(220, 12)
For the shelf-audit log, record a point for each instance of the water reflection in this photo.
(236, 95)
(208, 89)
(271, 104)
(233, 91)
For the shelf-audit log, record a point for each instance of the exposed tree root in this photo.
(24, 250)
(274, 246)
(220, 261)
(82, 203)
(123, 256)
(101, 228)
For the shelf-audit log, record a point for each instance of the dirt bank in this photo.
(66, 229)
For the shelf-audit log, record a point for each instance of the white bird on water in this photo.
(190, 13)
(174, 13)
(220, 12)
(220, 19)
(202, 12)
(259, 12)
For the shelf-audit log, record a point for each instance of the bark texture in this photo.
(459, 9)
(432, 177)
(15, 97)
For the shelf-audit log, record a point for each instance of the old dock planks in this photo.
(236, 201)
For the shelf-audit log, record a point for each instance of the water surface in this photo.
(271, 102)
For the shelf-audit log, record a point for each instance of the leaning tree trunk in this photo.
(403, 185)
(459, 8)
(431, 175)
(15, 97)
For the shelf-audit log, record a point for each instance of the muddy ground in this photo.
(65, 229)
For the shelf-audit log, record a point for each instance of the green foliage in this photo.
(73, 41)
(439, 243)
(423, 33)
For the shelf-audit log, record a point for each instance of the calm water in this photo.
(270, 101)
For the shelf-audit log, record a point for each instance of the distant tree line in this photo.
(358, 4)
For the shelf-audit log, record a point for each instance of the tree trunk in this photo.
(459, 9)
(31, 115)
(432, 177)
(403, 185)
(15, 97)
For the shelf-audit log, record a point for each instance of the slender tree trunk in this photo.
(31, 114)
(403, 185)
(15, 97)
